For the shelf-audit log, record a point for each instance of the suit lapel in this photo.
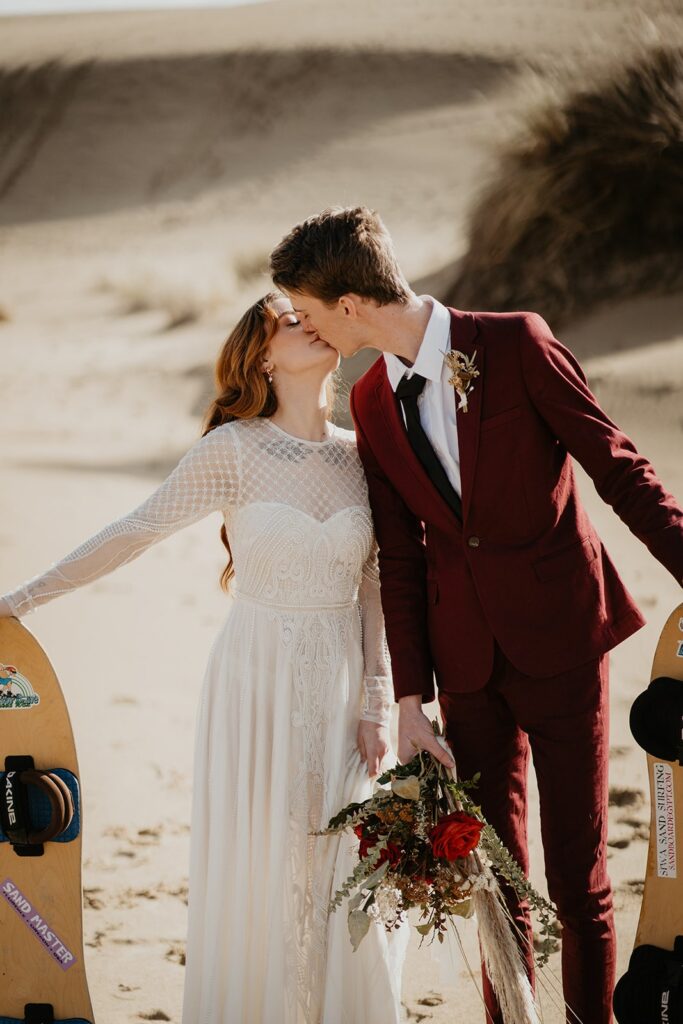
(405, 457)
(463, 335)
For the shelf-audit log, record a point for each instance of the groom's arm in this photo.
(402, 568)
(624, 479)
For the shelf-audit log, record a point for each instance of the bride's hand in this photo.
(373, 743)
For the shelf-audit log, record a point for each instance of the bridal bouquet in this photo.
(423, 842)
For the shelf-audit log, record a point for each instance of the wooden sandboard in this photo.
(41, 899)
(661, 913)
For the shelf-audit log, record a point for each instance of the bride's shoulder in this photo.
(235, 428)
(344, 435)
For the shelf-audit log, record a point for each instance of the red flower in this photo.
(392, 852)
(455, 835)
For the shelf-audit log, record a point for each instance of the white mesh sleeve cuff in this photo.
(378, 699)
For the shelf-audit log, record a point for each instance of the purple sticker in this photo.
(42, 931)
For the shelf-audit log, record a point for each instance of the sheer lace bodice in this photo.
(298, 522)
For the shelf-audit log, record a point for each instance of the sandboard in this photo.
(657, 721)
(42, 967)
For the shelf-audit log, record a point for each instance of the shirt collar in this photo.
(435, 341)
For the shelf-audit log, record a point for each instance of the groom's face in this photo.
(336, 324)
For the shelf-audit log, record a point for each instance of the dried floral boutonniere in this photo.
(463, 373)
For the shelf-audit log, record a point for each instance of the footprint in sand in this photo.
(154, 1015)
(623, 796)
(96, 941)
(641, 829)
(176, 953)
(434, 999)
(92, 901)
(415, 1015)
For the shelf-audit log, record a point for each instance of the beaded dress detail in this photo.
(299, 659)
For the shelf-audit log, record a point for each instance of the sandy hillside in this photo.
(148, 162)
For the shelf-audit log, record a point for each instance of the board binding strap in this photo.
(41, 1013)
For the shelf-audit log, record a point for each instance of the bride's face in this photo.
(296, 349)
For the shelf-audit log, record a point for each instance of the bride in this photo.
(293, 717)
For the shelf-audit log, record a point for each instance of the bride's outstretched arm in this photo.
(204, 480)
(378, 691)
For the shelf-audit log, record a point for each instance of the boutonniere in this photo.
(463, 372)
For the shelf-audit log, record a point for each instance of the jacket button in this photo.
(473, 542)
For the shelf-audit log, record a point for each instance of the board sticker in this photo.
(16, 691)
(665, 820)
(40, 928)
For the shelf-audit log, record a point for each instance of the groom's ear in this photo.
(350, 305)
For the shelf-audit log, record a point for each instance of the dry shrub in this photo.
(586, 205)
(251, 267)
(181, 302)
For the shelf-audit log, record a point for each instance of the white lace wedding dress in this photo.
(300, 657)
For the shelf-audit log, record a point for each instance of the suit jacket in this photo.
(525, 565)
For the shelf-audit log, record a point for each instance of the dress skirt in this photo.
(275, 757)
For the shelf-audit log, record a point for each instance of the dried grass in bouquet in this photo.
(423, 842)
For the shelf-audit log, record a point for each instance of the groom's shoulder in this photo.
(368, 380)
(492, 325)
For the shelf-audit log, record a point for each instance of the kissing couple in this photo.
(439, 551)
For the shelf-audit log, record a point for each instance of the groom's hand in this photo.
(415, 732)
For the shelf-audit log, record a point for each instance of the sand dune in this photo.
(148, 162)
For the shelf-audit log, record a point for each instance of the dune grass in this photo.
(585, 204)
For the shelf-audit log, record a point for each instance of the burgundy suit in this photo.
(513, 609)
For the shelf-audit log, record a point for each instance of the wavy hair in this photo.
(242, 390)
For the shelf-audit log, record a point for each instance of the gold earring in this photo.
(269, 375)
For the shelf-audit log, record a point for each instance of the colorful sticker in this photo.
(40, 928)
(665, 819)
(15, 690)
(679, 649)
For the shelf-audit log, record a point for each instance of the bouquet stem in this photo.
(500, 952)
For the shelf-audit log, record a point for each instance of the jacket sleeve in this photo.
(558, 389)
(402, 571)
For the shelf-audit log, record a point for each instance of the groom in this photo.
(493, 579)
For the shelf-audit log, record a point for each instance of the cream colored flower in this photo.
(463, 372)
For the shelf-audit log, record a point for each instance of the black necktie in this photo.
(407, 391)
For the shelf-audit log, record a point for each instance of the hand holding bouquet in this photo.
(423, 842)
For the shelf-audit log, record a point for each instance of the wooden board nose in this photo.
(661, 914)
(41, 899)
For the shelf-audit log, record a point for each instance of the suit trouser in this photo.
(563, 721)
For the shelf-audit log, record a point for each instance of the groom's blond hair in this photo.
(340, 251)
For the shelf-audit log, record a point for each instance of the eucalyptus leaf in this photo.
(464, 909)
(424, 929)
(376, 875)
(359, 924)
(355, 901)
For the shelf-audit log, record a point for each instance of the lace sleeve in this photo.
(205, 480)
(378, 694)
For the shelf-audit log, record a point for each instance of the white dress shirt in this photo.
(436, 404)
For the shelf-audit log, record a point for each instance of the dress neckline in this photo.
(302, 440)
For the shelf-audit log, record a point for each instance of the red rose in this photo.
(392, 852)
(456, 835)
